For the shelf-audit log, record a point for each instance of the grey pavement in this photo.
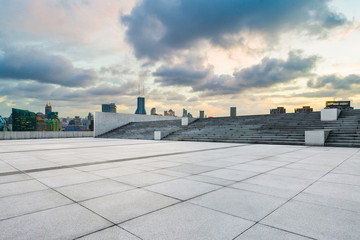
(136, 189)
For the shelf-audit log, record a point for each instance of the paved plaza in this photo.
(136, 189)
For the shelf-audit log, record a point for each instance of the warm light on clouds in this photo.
(197, 55)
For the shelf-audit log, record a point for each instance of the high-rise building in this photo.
(153, 111)
(202, 114)
(111, 107)
(342, 105)
(47, 109)
(232, 111)
(140, 106)
(278, 110)
(184, 112)
(23, 120)
(303, 109)
(90, 116)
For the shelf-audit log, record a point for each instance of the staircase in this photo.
(143, 130)
(346, 130)
(266, 129)
(271, 129)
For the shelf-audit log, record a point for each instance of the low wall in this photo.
(35, 134)
(316, 137)
(330, 114)
(105, 122)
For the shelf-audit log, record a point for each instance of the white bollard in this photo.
(184, 121)
(157, 135)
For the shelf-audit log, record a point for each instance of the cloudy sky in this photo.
(193, 54)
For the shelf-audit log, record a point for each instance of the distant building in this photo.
(111, 107)
(140, 106)
(40, 123)
(342, 105)
(47, 109)
(91, 122)
(52, 115)
(23, 120)
(52, 125)
(186, 113)
(278, 110)
(153, 111)
(202, 114)
(232, 111)
(303, 109)
(3, 125)
(90, 116)
(170, 113)
(75, 121)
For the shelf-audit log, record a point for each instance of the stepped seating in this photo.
(143, 130)
(268, 129)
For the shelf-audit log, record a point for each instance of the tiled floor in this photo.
(135, 189)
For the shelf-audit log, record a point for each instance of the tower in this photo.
(140, 106)
(140, 102)
(48, 109)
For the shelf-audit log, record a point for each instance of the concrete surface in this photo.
(43, 134)
(316, 137)
(93, 188)
(104, 122)
(330, 114)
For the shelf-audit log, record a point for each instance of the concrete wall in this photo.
(330, 114)
(105, 122)
(35, 134)
(316, 137)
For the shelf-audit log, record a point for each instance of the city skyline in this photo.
(202, 55)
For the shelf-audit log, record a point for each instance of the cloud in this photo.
(47, 92)
(28, 64)
(268, 72)
(335, 82)
(174, 96)
(157, 28)
(189, 73)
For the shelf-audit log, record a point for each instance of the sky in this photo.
(194, 54)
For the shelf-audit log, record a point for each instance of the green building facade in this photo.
(23, 120)
(52, 125)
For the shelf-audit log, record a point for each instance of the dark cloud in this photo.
(174, 96)
(335, 82)
(269, 72)
(158, 27)
(189, 73)
(128, 88)
(47, 92)
(28, 64)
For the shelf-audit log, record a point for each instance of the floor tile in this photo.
(126, 205)
(182, 189)
(186, 221)
(83, 191)
(244, 204)
(66, 222)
